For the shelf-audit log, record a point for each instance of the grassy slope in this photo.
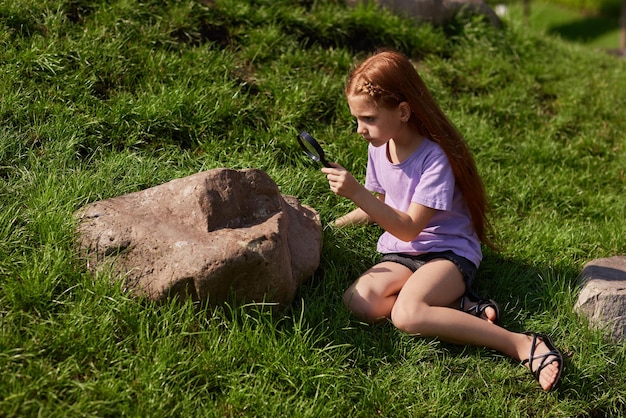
(100, 99)
(593, 30)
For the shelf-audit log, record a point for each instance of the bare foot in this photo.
(483, 309)
(545, 362)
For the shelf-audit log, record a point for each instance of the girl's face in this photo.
(376, 124)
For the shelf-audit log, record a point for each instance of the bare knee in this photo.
(363, 306)
(410, 318)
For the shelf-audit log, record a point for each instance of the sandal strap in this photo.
(553, 355)
(479, 308)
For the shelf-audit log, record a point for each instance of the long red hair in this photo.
(389, 78)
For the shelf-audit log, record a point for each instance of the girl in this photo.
(431, 203)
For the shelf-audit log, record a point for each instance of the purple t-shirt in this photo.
(426, 178)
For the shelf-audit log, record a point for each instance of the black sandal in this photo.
(479, 309)
(546, 359)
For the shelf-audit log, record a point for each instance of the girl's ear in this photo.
(405, 111)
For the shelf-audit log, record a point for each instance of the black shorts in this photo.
(414, 262)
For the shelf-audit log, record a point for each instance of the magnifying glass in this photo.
(312, 148)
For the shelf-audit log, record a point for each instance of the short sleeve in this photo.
(435, 188)
(371, 180)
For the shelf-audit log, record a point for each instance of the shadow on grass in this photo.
(585, 30)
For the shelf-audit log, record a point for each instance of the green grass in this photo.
(102, 98)
(592, 29)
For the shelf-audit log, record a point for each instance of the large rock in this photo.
(437, 12)
(602, 296)
(216, 236)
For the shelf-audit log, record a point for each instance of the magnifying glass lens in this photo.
(311, 150)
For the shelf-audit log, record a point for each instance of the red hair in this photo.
(389, 79)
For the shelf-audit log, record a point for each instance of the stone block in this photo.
(602, 296)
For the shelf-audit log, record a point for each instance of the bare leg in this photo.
(421, 309)
(372, 296)
(419, 304)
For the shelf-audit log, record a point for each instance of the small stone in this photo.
(602, 296)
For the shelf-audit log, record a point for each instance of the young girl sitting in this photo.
(430, 200)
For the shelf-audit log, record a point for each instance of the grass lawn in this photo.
(101, 98)
(600, 32)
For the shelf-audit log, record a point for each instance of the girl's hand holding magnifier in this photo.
(341, 181)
